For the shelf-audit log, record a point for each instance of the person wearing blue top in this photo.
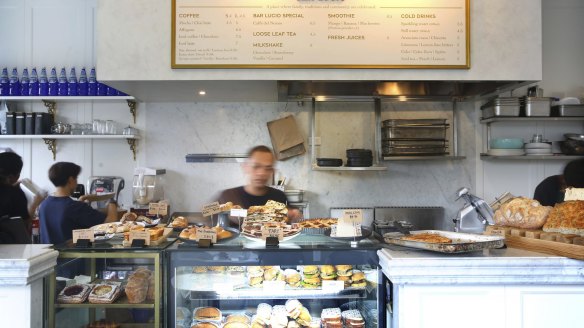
(59, 214)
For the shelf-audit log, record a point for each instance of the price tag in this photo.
(332, 285)
(83, 234)
(204, 233)
(276, 232)
(158, 208)
(239, 212)
(495, 231)
(274, 285)
(211, 209)
(352, 216)
(345, 230)
(140, 235)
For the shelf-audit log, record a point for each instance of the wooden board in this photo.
(519, 238)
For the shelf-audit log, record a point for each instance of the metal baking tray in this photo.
(436, 132)
(461, 242)
(532, 106)
(414, 122)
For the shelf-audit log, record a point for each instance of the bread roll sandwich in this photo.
(310, 271)
(344, 270)
(328, 272)
(207, 314)
(358, 279)
(293, 277)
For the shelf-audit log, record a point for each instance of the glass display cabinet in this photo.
(107, 285)
(309, 281)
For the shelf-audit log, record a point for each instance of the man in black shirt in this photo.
(259, 168)
(551, 190)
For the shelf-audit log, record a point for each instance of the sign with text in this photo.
(211, 209)
(83, 234)
(298, 34)
(352, 216)
(158, 208)
(333, 285)
(239, 212)
(205, 233)
(346, 230)
(140, 235)
(277, 232)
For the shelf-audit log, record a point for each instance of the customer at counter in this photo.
(552, 189)
(15, 216)
(258, 168)
(59, 214)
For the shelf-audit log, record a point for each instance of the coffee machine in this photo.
(148, 186)
(104, 186)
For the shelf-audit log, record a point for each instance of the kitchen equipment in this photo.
(537, 145)
(501, 106)
(506, 152)
(574, 136)
(506, 143)
(19, 123)
(414, 137)
(294, 196)
(474, 210)
(10, 123)
(568, 110)
(359, 157)
(461, 242)
(147, 186)
(535, 106)
(572, 147)
(329, 162)
(42, 123)
(105, 186)
(412, 218)
(79, 191)
(130, 131)
(29, 122)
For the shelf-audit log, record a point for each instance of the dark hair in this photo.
(60, 173)
(574, 173)
(10, 164)
(261, 149)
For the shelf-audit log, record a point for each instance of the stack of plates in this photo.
(506, 152)
(538, 148)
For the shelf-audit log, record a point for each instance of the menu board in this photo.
(320, 34)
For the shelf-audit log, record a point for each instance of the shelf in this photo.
(422, 158)
(51, 139)
(260, 293)
(50, 102)
(534, 119)
(530, 157)
(215, 158)
(121, 303)
(348, 168)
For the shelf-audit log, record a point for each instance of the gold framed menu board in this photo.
(320, 34)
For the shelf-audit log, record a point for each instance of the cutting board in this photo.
(531, 240)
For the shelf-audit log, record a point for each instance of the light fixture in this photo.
(202, 92)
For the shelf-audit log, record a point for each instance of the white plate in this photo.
(537, 151)
(538, 145)
(506, 152)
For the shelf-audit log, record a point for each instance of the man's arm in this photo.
(112, 211)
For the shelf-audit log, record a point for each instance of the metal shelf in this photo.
(348, 168)
(530, 157)
(121, 303)
(422, 158)
(531, 119)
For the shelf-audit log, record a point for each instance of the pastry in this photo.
(74, 294)
(129, 216)
(428, 238)
(179, 222)
(104, 294)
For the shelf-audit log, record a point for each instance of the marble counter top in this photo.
(21, 264)
(496, 266)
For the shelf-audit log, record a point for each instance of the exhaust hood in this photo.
(400, 90)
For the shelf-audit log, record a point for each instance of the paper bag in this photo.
(286, 138)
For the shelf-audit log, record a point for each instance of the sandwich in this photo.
(293, 278)
(328, 272)
(271, 274)
(310, 271)
(304, 318)
(344, 270)
(256, 282)
(255, 271)
(236, 317)
(207, 314)
(293, 308)
(311, 282)
(346, 280)
(358, 279)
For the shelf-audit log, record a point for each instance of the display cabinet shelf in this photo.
(121, 303)
(530, 157)
(259, 293)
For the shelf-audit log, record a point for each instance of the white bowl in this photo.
(538, 151)
(538, 145)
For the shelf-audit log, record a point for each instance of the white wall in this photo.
(60, 33)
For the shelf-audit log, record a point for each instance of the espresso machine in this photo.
(105, 186)
(147, 186)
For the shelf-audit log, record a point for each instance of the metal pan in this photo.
(461, 242)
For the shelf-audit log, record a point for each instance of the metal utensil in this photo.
(402, 228)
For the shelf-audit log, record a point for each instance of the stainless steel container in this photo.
(414, 129)
(503, 106)
(533, 106)
(568, 110)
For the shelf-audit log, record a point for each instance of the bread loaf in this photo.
(522, 212)
(137, 287)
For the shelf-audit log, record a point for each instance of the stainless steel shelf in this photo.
(533, 118)
(530, 157)
(215, 158)
(348, 168)
(422, 158)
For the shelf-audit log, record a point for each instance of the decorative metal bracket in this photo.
(51, 108)
(132, 105)
(132, 143)
(52, 146)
